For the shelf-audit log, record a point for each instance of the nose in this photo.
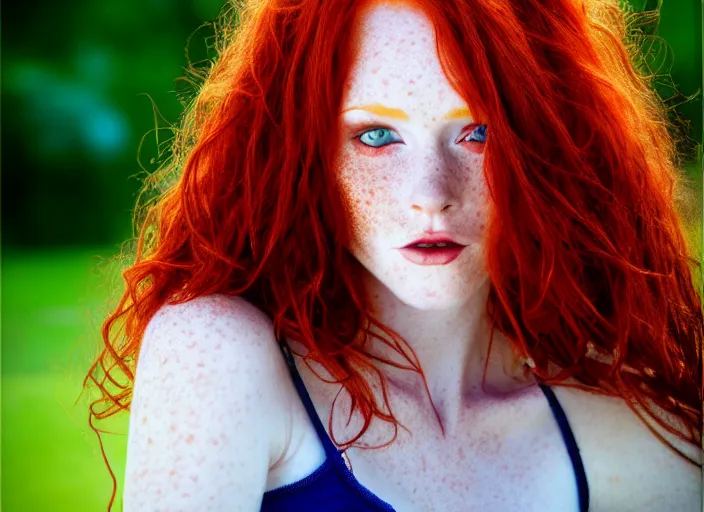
(435, 189)
(431, 205)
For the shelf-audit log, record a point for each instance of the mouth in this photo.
(436, 239)
(427, 244)
(439, 253)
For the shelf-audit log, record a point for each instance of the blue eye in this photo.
(477, 135)
(377, 137)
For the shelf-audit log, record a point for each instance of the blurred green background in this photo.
(79, 83)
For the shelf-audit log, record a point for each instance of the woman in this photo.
(456, 218)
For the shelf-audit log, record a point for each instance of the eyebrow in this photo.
(457, 113)
(397, 113)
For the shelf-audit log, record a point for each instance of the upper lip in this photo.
(434, 237)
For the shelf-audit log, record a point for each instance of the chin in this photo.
(445, 291)
(437, 296)
(425, 288)
(439, 301)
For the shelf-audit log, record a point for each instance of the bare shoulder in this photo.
(627, 466)
(206, 407)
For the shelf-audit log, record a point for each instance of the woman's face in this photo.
(410, 162)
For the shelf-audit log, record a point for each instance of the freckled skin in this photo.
(202, 419)
(429, 181)
(213, 399)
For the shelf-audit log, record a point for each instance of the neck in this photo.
(452, 347)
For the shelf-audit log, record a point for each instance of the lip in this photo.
(431, 256)
(434, 237)
(434, 255)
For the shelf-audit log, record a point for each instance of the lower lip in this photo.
(432, 255)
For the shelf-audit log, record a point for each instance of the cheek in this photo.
(476, 192)
(367, 192)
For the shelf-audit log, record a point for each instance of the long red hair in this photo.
(589, 267)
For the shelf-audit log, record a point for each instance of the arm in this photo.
(204, 409)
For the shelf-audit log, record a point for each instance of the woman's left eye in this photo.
(477, 135)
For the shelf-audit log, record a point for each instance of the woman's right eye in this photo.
(378, 137)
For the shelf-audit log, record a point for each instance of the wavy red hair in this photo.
(591, 278)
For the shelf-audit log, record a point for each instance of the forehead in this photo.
(391, 22)
(396, 57)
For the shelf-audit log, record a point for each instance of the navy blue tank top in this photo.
(333, 488)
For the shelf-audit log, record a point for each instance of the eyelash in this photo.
(374, 128)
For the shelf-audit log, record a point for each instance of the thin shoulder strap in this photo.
(330, 448)
(572, 448)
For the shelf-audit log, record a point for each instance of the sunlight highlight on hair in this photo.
(585, 248)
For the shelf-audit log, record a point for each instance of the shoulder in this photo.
(211, 343)
(208, 312)
(227, 333)
(627, 466)
(206, 409)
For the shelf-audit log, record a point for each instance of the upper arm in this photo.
(205, 408)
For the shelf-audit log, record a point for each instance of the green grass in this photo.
(51, 459)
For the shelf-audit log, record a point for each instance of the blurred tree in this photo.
(79, 78)
(681, 26)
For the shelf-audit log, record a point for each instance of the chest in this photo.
(500, 456)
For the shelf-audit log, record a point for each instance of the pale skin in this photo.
(424, 171)
(430, 177)
(209, 431)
